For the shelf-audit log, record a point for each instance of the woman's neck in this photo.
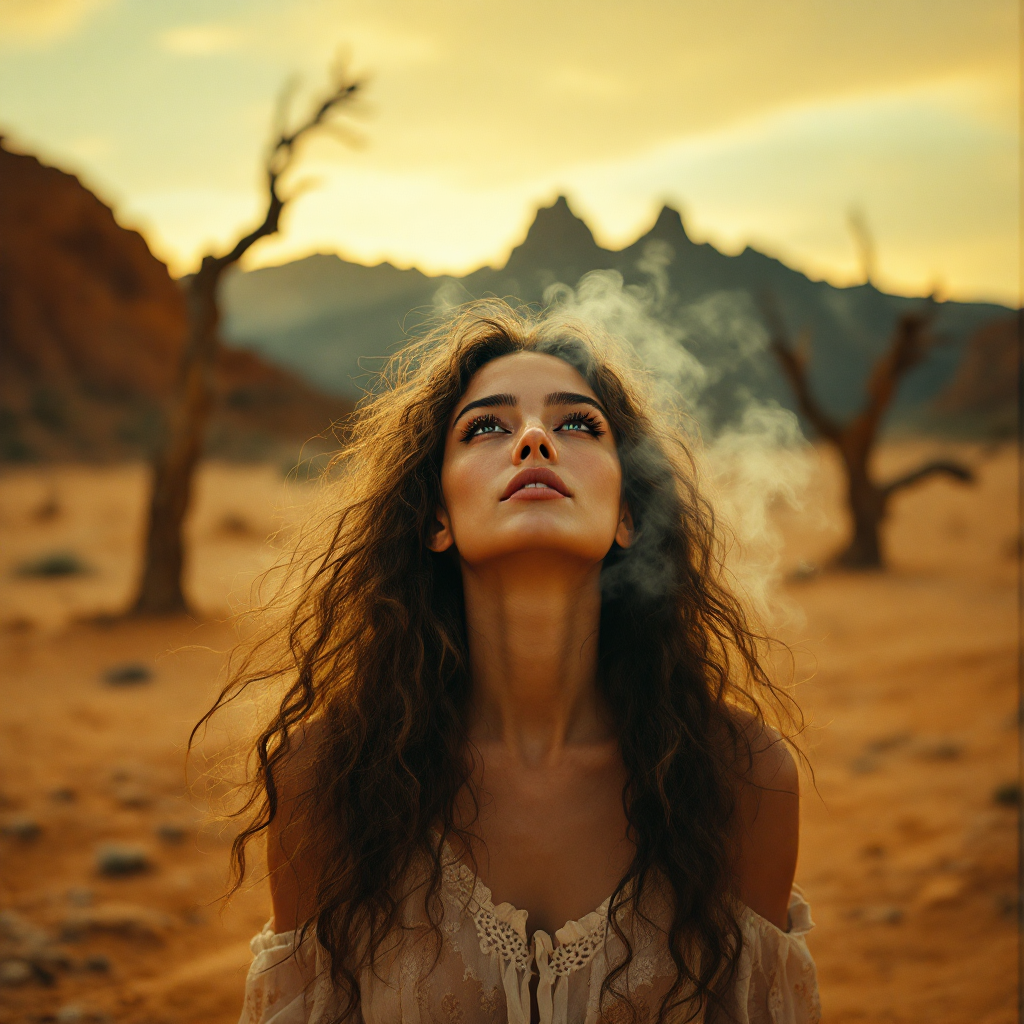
(532, 625)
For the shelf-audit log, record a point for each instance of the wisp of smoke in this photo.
(753, 462)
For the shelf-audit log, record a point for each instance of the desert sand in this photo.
(907, 680)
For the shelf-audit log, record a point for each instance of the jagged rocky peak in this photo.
(555, 229)
(669, 226)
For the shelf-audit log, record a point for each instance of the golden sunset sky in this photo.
(765, 123)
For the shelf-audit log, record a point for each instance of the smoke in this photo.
(750, 452)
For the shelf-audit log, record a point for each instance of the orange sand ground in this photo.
(907, 858)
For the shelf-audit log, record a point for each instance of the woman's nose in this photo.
(535, 441)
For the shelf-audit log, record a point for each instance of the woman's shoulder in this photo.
(291, 861)
(766, 786)
(761, 757)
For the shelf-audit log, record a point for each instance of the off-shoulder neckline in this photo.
(572, 931)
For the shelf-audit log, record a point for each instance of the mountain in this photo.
(983, 392)
(332, 321)
(91, 332)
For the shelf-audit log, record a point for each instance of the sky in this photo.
(765, 124)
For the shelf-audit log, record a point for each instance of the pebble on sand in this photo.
(15, 972)
(1007, 795)
(129, 673)
(118, 860)
(24, 828)
(171, 832)
(130, 794)
(80, 896)
(125, 920)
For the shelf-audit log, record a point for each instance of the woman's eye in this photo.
(482, 425)
(582, 423)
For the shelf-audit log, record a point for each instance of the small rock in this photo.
(53, 565)
(23, 828)
(873, 850)
(18, 624)
(19, 931)
(234, 525)
(891, 742)
(49, 958)
(70, 1014)
(132, 795)
(1007, 795)
(97, 962)
(171, 832)
(15, 972)
(193, 917)
(80, 896)
(63, 795)
(125, 920)
(130, 673)
(118, 860)
(943, 750)
(882, 915)
(864, 765)
(1008, 904)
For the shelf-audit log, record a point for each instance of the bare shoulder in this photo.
(764, 760)
(290, 863)
(767, 823)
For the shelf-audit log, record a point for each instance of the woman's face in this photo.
(530, 464)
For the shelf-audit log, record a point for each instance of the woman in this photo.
(521, 771)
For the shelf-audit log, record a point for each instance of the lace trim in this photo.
(501, 929)
(574, 956)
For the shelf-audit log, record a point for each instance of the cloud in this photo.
(38, 21)
(200, 40)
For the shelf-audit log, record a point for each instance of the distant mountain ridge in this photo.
(331, 320)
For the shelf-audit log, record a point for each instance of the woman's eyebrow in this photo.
(572, 398)
(487, 403)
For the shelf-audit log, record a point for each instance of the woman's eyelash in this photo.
(473, 427)
(585, 419)
(576, 422)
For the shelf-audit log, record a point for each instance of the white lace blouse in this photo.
(487, 962)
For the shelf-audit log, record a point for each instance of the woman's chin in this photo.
(541, 540)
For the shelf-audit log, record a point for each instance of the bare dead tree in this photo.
(160, 588)
(855, 440)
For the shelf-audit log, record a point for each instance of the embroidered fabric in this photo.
(488, 961)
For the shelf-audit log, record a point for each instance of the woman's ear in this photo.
(624, 531)
(440, 538)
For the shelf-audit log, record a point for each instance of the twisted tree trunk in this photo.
(161, 589)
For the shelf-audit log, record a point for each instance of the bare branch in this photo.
(793, 359)
(938, 467)
(282, 153)
(282, 109)
(857, 222)
(910, 344)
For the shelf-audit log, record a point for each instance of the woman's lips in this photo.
(535, 485)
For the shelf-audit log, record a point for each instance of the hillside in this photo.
(332, 320)
(91, 329)
(983, 391)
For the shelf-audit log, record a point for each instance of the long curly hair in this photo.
(373, 646)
